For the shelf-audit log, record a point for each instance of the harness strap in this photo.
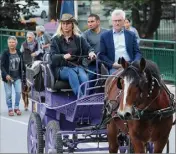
(171, 95)
(162, 113)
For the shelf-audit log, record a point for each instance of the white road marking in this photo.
(13, 120)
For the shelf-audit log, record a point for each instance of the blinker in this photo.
(119, 84)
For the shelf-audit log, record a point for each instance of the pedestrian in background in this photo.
(131, 28)
(12, 72)
(29, 49)
(43, 38)
(117, 43)
(92, 36)
(30, 53)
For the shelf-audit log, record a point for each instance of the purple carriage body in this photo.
(58, 113)
(59, 117)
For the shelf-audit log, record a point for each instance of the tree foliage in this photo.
(145, 14)
(10, 14)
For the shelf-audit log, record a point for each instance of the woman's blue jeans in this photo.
(8, 92)
(75, 75)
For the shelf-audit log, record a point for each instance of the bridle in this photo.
(145, 113)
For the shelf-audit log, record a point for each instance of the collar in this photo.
(96, 32)
(122, 31)
(71, 37)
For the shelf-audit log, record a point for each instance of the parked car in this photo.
(41, 10)
(35, 9)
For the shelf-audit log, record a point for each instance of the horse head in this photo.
(138, 85)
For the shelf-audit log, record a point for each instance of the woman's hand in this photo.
(92, 55)
(67, 56)
(8, 78)
(34, 54)
(45, 46)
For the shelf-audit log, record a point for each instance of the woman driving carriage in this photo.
(66, 50)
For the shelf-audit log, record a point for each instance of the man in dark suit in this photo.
(117, 43)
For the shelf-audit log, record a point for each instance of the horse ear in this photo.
(124, 63)
(142, 64)
(120, 61)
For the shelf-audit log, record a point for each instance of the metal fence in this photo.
(166, 30)
(160, 51)
(163, 53)
(5, 33)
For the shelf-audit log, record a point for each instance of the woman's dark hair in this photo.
(128, 19)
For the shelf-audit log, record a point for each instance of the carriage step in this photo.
(90, 128)
(85, 128)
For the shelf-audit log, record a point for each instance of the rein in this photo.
(76, 65)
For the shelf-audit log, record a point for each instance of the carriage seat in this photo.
(53, 84)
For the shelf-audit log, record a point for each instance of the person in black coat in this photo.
(13, 73)
(66, 49)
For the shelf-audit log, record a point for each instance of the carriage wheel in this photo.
(59, 143)
(35, 140)
(150, 147)
(122, 150)
(51, 140)
(122, 141)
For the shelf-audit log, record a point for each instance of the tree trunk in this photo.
(136, 18)
(58, 8)
(154, 19)
(54, 9)
(149, 25)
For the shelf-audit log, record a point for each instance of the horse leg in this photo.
(160, 144)
(27, 99)
(162, 141)
(112, 137)
(138, 146)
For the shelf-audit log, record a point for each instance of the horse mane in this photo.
(151, 69)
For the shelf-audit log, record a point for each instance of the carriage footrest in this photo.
(86, 128)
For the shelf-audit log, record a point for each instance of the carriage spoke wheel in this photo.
(52, 145)
(149, 147)
(35, 134)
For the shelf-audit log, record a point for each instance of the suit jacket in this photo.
(107, 49)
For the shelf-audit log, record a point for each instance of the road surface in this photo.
(13, 130)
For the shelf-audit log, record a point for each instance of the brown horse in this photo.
(141, 108)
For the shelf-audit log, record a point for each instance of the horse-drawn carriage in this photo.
(60, 120)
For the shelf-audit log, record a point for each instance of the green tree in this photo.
(145, 14)
(10, 14)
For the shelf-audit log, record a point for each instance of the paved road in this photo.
(13, 130)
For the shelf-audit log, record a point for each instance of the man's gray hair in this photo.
(40, 28)
(118, 12)
(31, 34)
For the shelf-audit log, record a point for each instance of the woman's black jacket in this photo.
(57, 59)
(5, 65)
